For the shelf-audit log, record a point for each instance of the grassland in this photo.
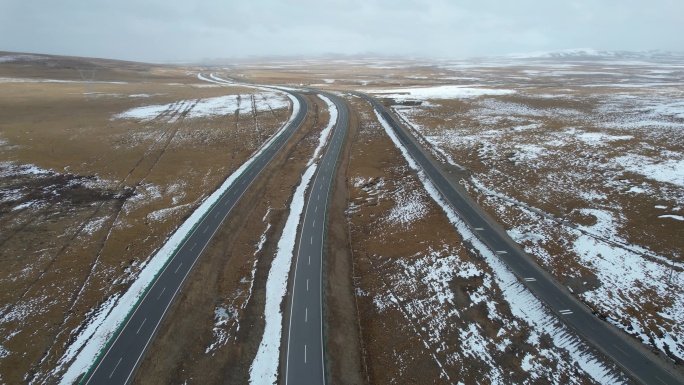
(581, 162)
(91, 188)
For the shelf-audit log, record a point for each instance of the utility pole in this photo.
(88, 79)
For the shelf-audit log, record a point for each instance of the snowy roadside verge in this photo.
(104, 321)
(522, 302)
(325, 134)
(264, 369)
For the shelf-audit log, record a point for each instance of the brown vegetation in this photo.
(115, 190)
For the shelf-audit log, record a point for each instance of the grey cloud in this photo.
(183, 30)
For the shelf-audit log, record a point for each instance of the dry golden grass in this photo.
(86, 238)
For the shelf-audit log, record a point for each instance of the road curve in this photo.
(304, 356)
(124, 352)
(641, 366)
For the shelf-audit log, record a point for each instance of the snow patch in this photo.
(409, 206)
(677, 217)
(440, 92)
(94, 225)
(325, 134)
(21, 57)
(209, 107)
(667, 170)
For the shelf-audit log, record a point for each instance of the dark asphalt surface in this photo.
(304, 355)
(121, 359)
(634, 361)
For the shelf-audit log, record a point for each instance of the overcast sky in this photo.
(173, 30)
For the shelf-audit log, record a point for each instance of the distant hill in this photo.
(43, 66)
(594, 54)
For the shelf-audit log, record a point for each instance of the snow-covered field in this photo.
(436, 271)
(435, 305)
(211, 107)
(439, 92)
(590, 181)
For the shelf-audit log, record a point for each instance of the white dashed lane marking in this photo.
(117, 365)
(623, 352)
(141, 325)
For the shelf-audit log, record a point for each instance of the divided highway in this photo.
(304, 353)
(641, 366)
(125, 352)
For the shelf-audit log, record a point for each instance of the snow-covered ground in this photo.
(41, 80)
(21, 57)
(211, 107)
(439, 92)
(594, 158)
(437, 269)
(325, 134)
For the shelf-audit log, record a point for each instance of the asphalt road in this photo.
(304, 355)
(124, 354)
(638, 364)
